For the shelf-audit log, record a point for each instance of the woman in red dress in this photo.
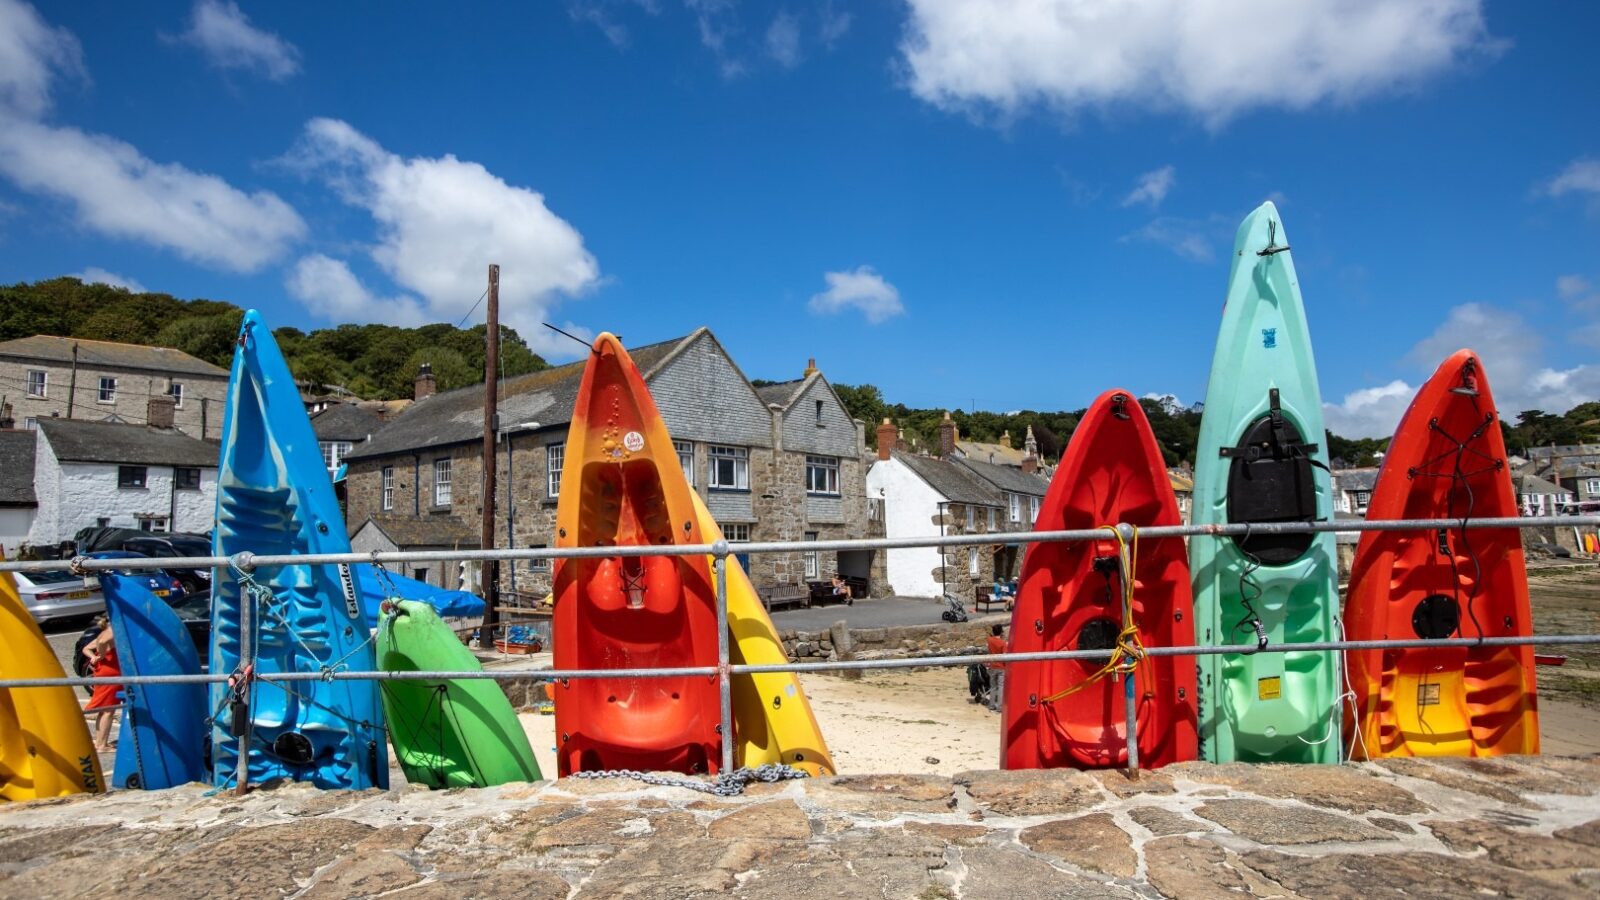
(102, 655)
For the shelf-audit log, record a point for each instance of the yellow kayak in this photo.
(45, 749)
(772, 718)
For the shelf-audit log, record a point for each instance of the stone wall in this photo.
(885, 643)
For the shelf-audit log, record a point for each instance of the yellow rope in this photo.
(1129, 650)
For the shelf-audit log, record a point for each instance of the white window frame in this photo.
(555, 461)
(735, 532)
(972, 517)
(333, 453)
(539, 565)
(30, 424)
(42, 383)
(386, 486)
(991, 518)
(175, 391)
(685, 459)
(1594, 486)
(972, 561)
(813, 559)
(828, 467)
(107, 395)
(737, 457)
(1033, 509)
(1016, 506)
(154, 524)
(441, 482)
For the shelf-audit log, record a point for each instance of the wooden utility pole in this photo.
(491, 427)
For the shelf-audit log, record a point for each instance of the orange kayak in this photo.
(622, 485)
(1447, 460)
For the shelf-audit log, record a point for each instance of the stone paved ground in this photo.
(1513, 827)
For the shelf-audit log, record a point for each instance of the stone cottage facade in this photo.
(779, 464)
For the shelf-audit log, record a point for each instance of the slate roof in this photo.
(16, 468)
(109, 353)
(1356, 479)
(425, 531)
(456, 417)
(1545, 453)
(951, 480)
(781, 394)
(74, 440)
(345, 422)
(1007, 478)
(1530, 483)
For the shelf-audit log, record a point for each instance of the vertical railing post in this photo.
(1129, 691)
(719, 551)
(247, 674)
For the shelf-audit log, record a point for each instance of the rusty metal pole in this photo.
(719, 551)
(491, 376)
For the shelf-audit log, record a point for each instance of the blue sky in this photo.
(957, 201)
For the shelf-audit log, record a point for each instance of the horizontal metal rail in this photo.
(843, 665)
(247, 561)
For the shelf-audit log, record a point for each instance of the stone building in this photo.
(925, 496)
(783, 463)
(45, 377)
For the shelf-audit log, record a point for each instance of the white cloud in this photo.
(1582, 176)
(228, 40)
(835, 24)
(1369, 412)
(783, 40)
(328, 286)
(97, 275)
(862, 288)
(1185, 237)
(1212, 58)
(716, 21)
(1152, 187)
(442, 220)
(31, 54)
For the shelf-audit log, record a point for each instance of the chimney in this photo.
(811, 368)
(888, 437)
(947, 437)
(425, 386)
(1030, 453)
(1030, 465)
(1005, 439)
(158, 412)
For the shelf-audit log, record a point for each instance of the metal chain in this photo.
(725, 784)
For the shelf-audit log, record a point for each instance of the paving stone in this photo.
(521, 885)
(1514, 849)
(1455, 779)
(1118, 783)
(776, 820)
(265, 861)
(883, 796)
(950, 834)
(1092, 842)
(1003, 873)
(1268, 823)
(1161, 821)
(363, 875)
(803, 880)
(1394, 825)
(1400, 876)
(1033, 792)
(1588, 833)
(1185, 868)
(1516, 773)
(404, 838)
(1347, 788)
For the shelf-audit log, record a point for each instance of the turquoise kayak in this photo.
(1262, 457)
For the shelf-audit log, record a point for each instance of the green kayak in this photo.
(446, 733)
(1262, 457)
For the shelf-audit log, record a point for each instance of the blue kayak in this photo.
(162, 740)
(274, 497)
(376, 587)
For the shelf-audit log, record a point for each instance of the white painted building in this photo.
(17, 503)
(90, 474)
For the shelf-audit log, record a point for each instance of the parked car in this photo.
(58, 594)
(157, 580)
(195, 611)
(169, 546)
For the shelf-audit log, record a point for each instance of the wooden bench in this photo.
(822, 593)
(801, 599)
(983, 596)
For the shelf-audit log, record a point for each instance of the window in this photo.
(819, 413)
(441, 482)
(730, 468)
(812, 568)
(1594, 486)
(1362, 498)
(538, 565)
(153, 523)
(991, 518)
(420, 573)
(1016, 506)
(388, 487)
(175, 391)
(131, 476)
(1033, 509)
(686, 459)
(30, 424)
(735, 532)
(972, 561)
(333, 453)
(38, 382)
(555, 458)
(971, 517)
(186, 479)
(108, 389)
(822, 475)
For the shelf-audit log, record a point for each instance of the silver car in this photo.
(58, 595)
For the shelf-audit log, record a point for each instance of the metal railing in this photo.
(720, 550)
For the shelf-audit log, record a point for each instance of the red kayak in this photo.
(1070, 598)
(1447, 460)
(622, 485)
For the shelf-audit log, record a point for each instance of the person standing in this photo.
(997, 670)
(102, 655)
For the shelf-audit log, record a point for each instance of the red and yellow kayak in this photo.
(622, 485)
(1447, 460)
(1070, 598)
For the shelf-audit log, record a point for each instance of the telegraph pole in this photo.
(491, 378)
